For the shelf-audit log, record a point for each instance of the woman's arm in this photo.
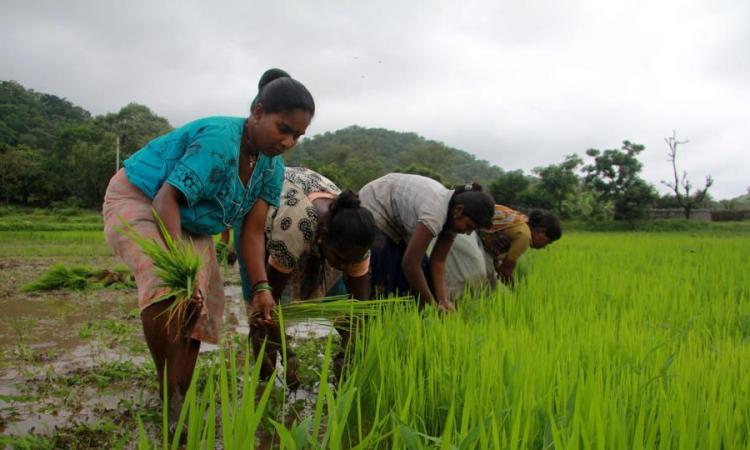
(167, 206)
(253, 254)
(437, 269)
(412, 263)
(231, 252)
(278, 281)
(505, 269)
(358, 287)
(518, 246)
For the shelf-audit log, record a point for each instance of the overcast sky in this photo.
(518, 83)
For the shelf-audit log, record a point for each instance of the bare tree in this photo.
(682, 186)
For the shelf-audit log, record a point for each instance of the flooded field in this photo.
(75, 369)
(615, 340)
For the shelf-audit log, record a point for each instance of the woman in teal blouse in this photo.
(202, 178)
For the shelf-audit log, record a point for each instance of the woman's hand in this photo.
(231, 256)
(263, 304)
(197, 297)
(167, 205)
(446, 306)
(505, 271)
(411, 264)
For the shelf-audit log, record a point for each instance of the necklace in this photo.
(246, 154)
(246, 147)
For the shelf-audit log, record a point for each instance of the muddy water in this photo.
(79, 358)
(53, 345)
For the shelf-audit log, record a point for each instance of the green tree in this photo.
(559, 182)
(362, 171)
(508, 188)
(534, 196)
(332, 172)
(34, 119)
(52, 150)
(136, 125)
(84, 160)
(613, 177)
(22, 177)
(424, 171)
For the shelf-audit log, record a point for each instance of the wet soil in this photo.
(74, 368)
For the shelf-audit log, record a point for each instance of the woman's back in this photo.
(399, 201)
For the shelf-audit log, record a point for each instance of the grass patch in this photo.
(51, 219)
(32, 244)
(100, 435)
(101, 376)
(662, 226)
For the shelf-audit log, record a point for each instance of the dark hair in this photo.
(478, 205)
(349, 223)
(548, 221)
(279, 92)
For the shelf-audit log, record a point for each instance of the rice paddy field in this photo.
(610, 341)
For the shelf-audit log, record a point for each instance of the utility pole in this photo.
(117, 163)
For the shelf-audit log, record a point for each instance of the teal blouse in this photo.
(200, 159)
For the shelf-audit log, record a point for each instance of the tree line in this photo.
(52, 152)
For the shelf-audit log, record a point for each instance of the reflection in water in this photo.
(60, 338)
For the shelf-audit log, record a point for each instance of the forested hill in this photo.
(54, 152)
(34, 119)
(355, 155)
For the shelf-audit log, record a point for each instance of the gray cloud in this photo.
(520, 84)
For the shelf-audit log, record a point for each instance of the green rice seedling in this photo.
(222, 253)
(53, 244)
(231, 409)
(240, 414)
(611, 341)
(79, 278)
(177, 264)
(61, 276)
(336, 307)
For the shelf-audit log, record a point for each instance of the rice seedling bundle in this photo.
(60, 276)
(78, 278)
(336, 307)
(177, 264)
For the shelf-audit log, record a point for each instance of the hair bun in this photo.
(468, 187)
(270, 75)
(348, 200)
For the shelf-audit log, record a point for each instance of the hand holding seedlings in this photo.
(446, 306)
(263, 303)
